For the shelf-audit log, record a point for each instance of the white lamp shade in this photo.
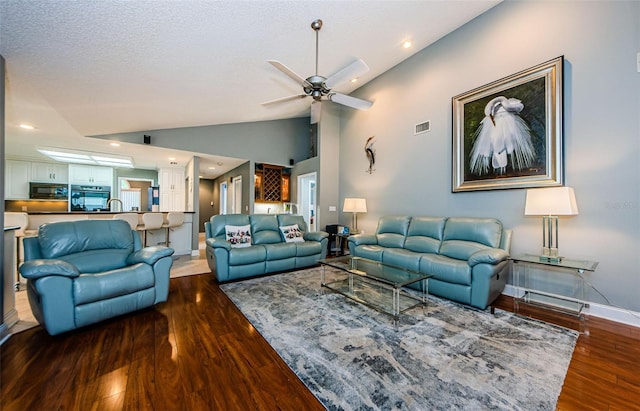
(355, 205)
(551, 201)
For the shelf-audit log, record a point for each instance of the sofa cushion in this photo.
(96, 261)
(280, 251)
(238, 236)
(292, 234)
(369, 251)
(290, 219)
(308, 248)
(446, 269)
(400, 257)
(465, 236)
(425, 234)
(264, 228)
(88, 288)
(249, 255)
(69, 237)
(217, 223)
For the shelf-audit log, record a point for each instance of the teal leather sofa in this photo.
(267, 252)
(82, 272)
(468, 257)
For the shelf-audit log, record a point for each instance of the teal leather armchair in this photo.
(82, 272)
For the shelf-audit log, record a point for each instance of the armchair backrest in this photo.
(392, 231)
(217, 223)
(464, 236)
(425, 234)
(91, 245)
(264, 229)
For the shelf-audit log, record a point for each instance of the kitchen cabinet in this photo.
(49, 173)
(94, 175)
(172, 189)
(16, 181)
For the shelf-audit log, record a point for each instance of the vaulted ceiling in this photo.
(89, 67)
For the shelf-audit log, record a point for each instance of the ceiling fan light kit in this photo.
(320, 88)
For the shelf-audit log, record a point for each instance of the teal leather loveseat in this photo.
(82, 272)
(262, 244)
(468, 257)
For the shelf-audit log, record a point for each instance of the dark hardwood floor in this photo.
(197, 352)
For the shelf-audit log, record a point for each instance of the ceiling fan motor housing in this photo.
(319, 89)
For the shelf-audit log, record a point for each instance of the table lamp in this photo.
(355, 206)
(550, 203)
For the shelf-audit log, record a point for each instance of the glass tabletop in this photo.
(564, 262)
(395, 276)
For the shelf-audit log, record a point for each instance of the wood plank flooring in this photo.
(197, 352)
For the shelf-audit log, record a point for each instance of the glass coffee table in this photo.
(376, 284)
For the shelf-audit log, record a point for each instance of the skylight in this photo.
(86, 157)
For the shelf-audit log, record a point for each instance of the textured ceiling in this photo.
(82, 68)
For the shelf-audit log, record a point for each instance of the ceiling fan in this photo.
(320, 88)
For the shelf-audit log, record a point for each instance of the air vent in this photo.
(423, 127)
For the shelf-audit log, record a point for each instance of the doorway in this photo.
(307, 199)
(237, 195)
(134, 193)
(223, 198)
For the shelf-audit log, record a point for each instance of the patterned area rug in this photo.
(443, 357)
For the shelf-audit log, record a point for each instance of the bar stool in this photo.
(150, 221)
(20, 220)
(131, 218)
(174, 219)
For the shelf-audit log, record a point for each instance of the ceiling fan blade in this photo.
(283, 99)
(350, 101)
(353, 70)
(316, 111)
(293, 75)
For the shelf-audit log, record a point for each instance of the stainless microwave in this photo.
(48, 191)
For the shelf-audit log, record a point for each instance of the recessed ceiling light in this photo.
(406, 44)
(172, 158)
(212, 168)
(27, 127)
(114, 144)
(354, 80)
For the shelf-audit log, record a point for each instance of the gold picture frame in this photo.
(508, 134)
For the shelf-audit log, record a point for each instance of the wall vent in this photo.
(422, 127)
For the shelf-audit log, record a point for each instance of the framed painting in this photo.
(508, 134)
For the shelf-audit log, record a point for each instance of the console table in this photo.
(524, 268)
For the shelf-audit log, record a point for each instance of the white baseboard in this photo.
(195, 253)
(607, 312)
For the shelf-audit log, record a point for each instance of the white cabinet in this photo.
(49, 173)
(95, 175)
(172, 189)
(16, 179)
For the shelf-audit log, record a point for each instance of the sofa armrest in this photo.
(315, 236)
(149, 255)
(363, 239)
(489, 256)
(214, 243)
(35, 269)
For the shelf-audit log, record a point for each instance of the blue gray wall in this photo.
(600, 41)
(273, 142)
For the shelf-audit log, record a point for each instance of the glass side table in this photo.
(524, 268)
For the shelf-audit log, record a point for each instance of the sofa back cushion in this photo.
(217, 224)
(265, 230)
(392, 231)
(291, 219)
(425, 234)
(464, 236)
(70, 237)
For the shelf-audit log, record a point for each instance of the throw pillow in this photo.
(292, 233)
(238, 235)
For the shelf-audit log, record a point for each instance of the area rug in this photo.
(445, 356)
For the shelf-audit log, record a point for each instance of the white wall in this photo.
(599, 41)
